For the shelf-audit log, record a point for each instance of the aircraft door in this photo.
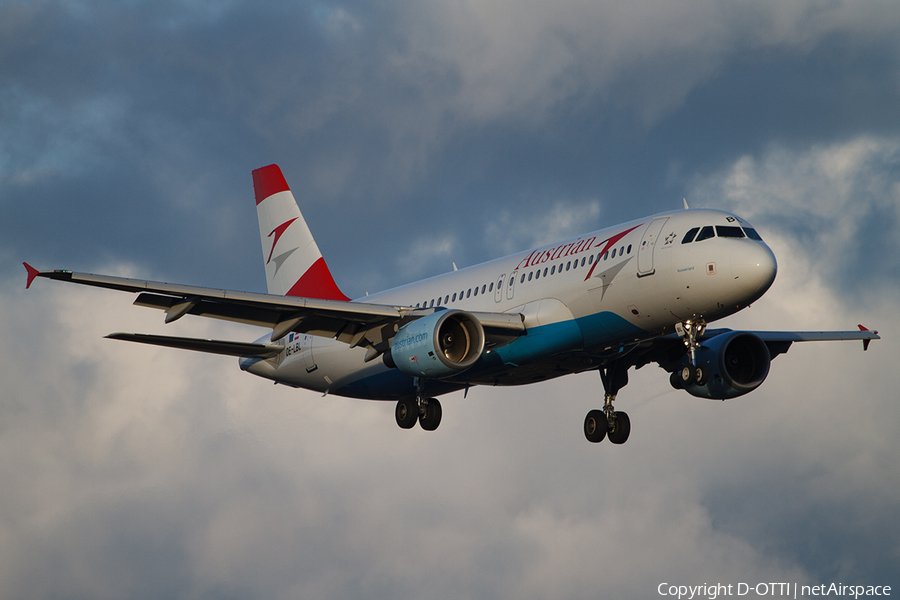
(498, 295)
(511, 285)
(648, 244)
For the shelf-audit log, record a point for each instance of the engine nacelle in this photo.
(736, 363)
(439, 345)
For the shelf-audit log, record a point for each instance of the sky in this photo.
(415, 136)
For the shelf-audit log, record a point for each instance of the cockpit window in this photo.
(751, 233)
(689, 236)
(728, 231)
(706, 233)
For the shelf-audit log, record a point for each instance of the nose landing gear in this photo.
(691, 373)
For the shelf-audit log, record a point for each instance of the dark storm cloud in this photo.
(415, 135)
(143, 120)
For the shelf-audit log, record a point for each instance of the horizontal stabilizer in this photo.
(227, 348)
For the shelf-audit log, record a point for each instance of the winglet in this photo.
(32, 273)
(866, 341)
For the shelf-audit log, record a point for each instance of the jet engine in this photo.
(732, 364)
(439, 345)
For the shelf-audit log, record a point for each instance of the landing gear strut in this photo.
(609, 422)
(426, 411)
(692, 373)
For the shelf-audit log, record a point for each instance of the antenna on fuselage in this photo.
(686, 207)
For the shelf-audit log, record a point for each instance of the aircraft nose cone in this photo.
(754, 268)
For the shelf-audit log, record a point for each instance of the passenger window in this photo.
(530, 275)
(523, 278)
(751, 233)
(568, 264)
(447, 299)
(454, 296)
(439, 301)
(469, 293)
(689, 236)
(483, 288)
(537, 274)
(629, 248)
(476, 292)
(622, 251)
(706, 233)
(545, 271)
(614, 253)
(491, 289)
(553, 269)
(729, 231)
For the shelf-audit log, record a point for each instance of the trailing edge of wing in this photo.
(200, 345)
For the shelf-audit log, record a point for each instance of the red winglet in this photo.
(32, 273)
(861, 328)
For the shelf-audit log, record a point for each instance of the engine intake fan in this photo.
(439, 345)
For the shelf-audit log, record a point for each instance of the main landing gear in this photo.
(608, 422)
(425, 411)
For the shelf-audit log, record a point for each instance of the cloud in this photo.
(127, 132)
(137, 471)
(511, 232)
(832, 209)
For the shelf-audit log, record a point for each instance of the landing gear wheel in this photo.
(407, 413)
(621, 427)
(595, 426)
(702, 375)
(431, 418)
(687, 375)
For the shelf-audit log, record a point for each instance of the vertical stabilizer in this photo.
(294, 264)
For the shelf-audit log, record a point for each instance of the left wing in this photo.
(354, 323)
(777, 342)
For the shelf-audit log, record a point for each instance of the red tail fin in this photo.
(294, 264)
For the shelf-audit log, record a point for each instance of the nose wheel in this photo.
(608, 422)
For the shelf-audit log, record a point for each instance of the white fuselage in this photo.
(582, 299)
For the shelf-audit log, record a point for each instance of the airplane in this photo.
(626, 296)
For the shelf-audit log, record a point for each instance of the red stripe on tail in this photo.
(317, 282)
(268, 181)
